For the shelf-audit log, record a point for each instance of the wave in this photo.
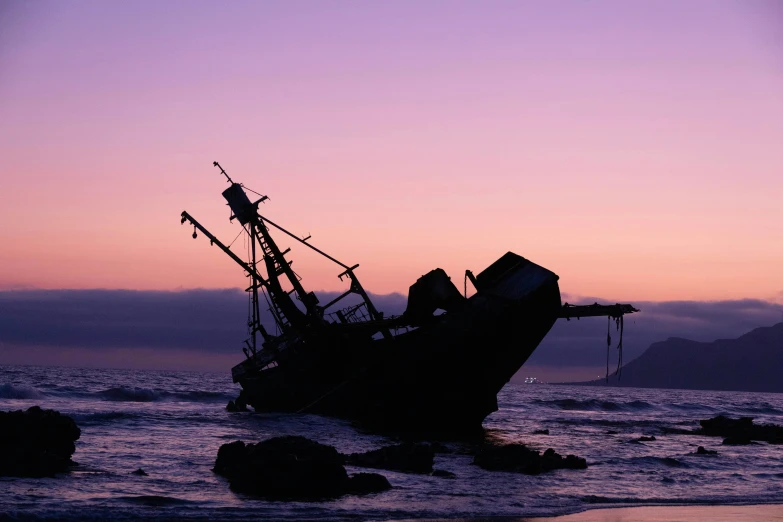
(10, 391)
(597, 499)
(595, 405)
(665, 461)
(122, 394)
(154, 500)
(98, 418)
(764, 407)
(129, 395)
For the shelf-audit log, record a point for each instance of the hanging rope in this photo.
(619, 325)
(608, 345)
(619, 370)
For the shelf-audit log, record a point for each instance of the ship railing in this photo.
(357, 313)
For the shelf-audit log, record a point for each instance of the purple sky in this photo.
(634, 148)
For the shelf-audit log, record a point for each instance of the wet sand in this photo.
(674, 514)
(755, 513)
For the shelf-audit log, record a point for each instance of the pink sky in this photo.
(635, 148)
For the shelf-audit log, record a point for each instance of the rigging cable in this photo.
(234, 240)
(608, 344)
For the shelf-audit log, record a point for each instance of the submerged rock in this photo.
(408, 457)
(737, 431)
(643, 438)
(291, 467)
(239, 405)
(702, 451)
(439, 447)
(520, 458)
(36, 442)
(140, 472)
(364, 483)
(679, 431)
(739, 440)
(541, 432)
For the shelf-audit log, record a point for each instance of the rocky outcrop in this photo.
(36, 442)
(741, 430)
(291, 467)
(408, 457)
(520, 458)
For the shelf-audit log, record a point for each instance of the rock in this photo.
(678, 431)
(541, 432)
(36, 442)
(726, 426)
(239, 405)
(438, 447)
(702, 451)
(740, 429)
(291, 467)
(229, 457)
(739, 440)
(140, 472)
(520, 458)
(408, 457)
(364, 483)
(443, 473)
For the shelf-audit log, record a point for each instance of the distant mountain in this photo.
(753, 362)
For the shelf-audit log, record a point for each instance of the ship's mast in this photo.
(286, 314)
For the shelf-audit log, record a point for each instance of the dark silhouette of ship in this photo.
(438, 366)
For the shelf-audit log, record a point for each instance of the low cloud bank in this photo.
(89, 327)
(582, 343)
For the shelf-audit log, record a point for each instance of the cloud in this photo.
(84, 326)
(202, 320)
(583, 343)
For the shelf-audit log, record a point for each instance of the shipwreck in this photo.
(437, 366)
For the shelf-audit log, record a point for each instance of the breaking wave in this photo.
(122, 394)
(10, 391)
(595, 405)
(101, 417)
(129, 395)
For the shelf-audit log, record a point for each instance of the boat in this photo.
(438, 366)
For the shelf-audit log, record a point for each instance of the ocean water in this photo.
(171, 424)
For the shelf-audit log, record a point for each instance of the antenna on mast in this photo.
(222, 171)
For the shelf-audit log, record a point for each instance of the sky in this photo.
(631, 147)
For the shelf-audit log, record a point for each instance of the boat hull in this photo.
(442, 376)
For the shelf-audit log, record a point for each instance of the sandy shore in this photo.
(674, 514)
(765, 513)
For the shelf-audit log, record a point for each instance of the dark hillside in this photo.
(752, 362)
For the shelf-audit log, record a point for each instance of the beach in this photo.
(755, 513)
